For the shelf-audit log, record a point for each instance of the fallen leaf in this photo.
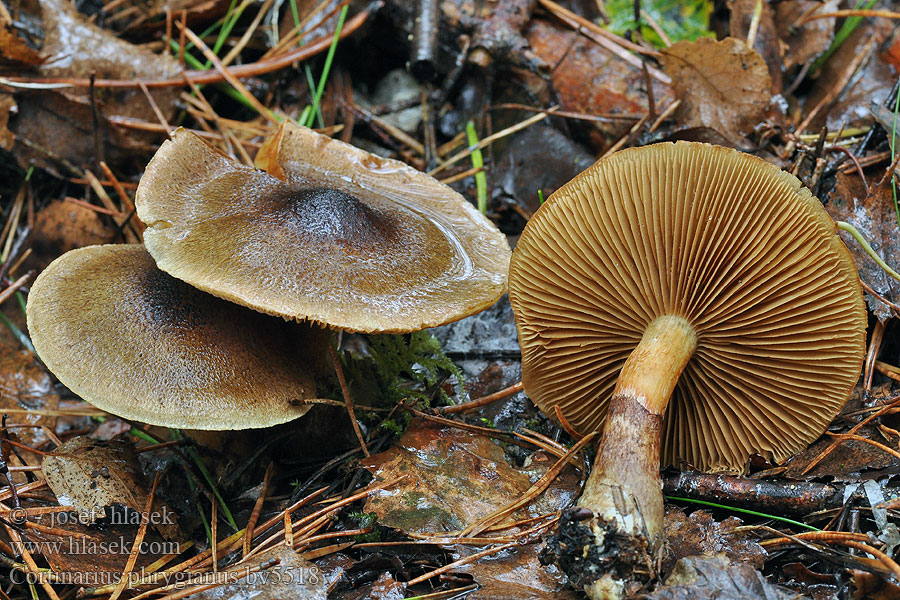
(805, 43)
(62, 226)
(385, 588)
(869, 586)
(88, 556)
(17, 49)
(25, 385)
(7, 108)
(700, 534)
(517, 574)
(845, 462)
(875, 218)
(701, 578)
(455, 478)
(589, 79)
(54, 127)
(722, 85)
(766, 42)
(870, 83)
(334, 568)
(92, 476)
(537, 158)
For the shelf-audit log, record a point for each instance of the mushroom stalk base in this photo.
(610, 542)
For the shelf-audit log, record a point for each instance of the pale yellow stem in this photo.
(624, 490)
(652, 369)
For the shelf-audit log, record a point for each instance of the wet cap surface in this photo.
(140, 344)
(340, 237)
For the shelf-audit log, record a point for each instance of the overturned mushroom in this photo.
(697, 303)
(333, 235)
(141, 344)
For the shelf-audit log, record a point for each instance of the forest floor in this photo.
(451, 481)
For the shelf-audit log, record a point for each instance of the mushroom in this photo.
(696, 303)
(141, 344)
(333, 235)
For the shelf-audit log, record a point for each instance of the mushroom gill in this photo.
(696, 304)
(730, 243)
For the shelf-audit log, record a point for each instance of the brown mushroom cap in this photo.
(141, 344)
(725, 240)
(346, 239)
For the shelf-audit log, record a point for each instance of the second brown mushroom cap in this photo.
(331, 234)
(138, 343)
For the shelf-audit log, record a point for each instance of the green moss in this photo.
(679, 19)
(401, 368)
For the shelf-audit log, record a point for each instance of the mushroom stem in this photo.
(624, 490)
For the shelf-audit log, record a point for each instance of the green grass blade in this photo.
(200, 510)
(295, 13)
(477, 163)
(846, 30)
(229, 21)
(195, 64)
(746, 512)
(844, 226)
(201, 466)
(17, 333)
(312, 85)
(325, 70)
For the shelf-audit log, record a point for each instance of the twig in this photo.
(874, 349)
(616, 45)
(838, 14)
(124, 199)
(656, 27)
(483, 401)
(229, 77)
(348, 403)
(568, 15)
(202, 77)
(783, 497)
(119, 219)
(160, 117)
(839, 86)
(424, 47)
(236, 50)
(564, 423)
(600, 118)
(852, 157)
(894, 307)
(390, 128)
(865, 440)
(138, 540)
(883, 368)
(539, 486)
(462, 175)
(257, 509)
(460, 562)
(13, 287)
(834, 444)
(664, 115)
